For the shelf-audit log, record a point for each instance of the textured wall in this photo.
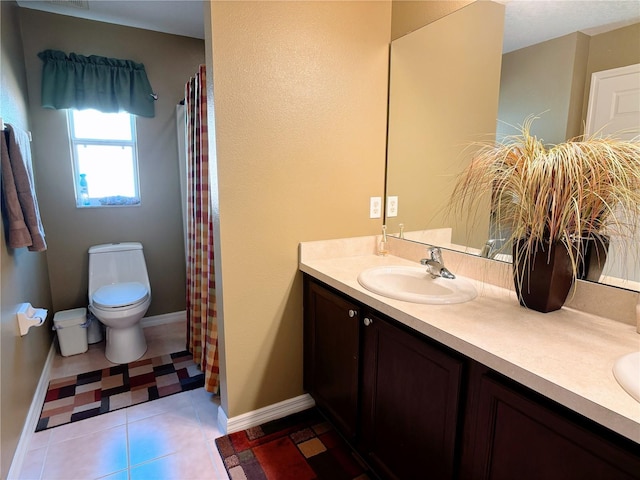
(300, 97)
(410, 15)
(24, 275)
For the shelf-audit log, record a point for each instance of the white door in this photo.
(614, 102)
(614, 109)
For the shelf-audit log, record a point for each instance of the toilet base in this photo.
(125, 345)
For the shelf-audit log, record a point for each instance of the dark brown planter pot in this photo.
(594, 252)
(542, 278)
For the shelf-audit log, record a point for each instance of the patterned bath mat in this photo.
(86, 395)
(302, 446)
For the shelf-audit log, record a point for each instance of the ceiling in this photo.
(178, 17)
(527, 21)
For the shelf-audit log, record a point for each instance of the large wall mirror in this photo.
(454, 83)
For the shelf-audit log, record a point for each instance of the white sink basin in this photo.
(414, 284)
(627, 373)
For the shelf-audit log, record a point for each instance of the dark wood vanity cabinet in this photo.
(331, 355)
(410, 404)
(392, 393)
(415, 409)
(513, 432)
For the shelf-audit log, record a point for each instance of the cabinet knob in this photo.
(353, 313)
(367, 321)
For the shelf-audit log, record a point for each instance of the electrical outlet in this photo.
(392, 206)
(375, 207)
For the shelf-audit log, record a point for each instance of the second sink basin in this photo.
(627, 373)
(414, 284)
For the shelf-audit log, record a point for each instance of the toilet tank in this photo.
(116, 263)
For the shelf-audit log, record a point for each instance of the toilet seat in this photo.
(119, 295)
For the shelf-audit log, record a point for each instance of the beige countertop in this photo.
(566, 355)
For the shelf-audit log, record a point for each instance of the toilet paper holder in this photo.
(29, 317)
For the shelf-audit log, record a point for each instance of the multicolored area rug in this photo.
(77, 397)
(302, 446)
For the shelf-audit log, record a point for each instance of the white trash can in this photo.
(71, 327)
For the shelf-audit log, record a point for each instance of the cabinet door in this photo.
(517, 436)
(410, 398)
(331, 355)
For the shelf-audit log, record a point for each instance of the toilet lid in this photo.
(120, 294)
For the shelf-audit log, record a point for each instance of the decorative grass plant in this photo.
(585, 188)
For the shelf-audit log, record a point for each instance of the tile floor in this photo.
(169, 438)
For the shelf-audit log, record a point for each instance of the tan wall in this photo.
(410, 15)
(300, 103)
(443, 96)
(169, 60)
(24, 275)
(540, 80)
(617, 48)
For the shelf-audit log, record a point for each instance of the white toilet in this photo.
(119, 296)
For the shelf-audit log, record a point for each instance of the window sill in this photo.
(116, 201)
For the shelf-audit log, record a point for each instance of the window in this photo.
(105, 164)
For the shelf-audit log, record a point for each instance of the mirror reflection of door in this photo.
(614, 109)
(614, 102)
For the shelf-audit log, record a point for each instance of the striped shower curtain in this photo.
(202, 328)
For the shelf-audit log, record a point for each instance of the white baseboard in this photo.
(32, 416)
(264, 414)
(164, 319)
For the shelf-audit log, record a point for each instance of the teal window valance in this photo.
(105, 84)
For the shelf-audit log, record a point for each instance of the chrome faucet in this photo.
(435, 264)
(492, 247)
